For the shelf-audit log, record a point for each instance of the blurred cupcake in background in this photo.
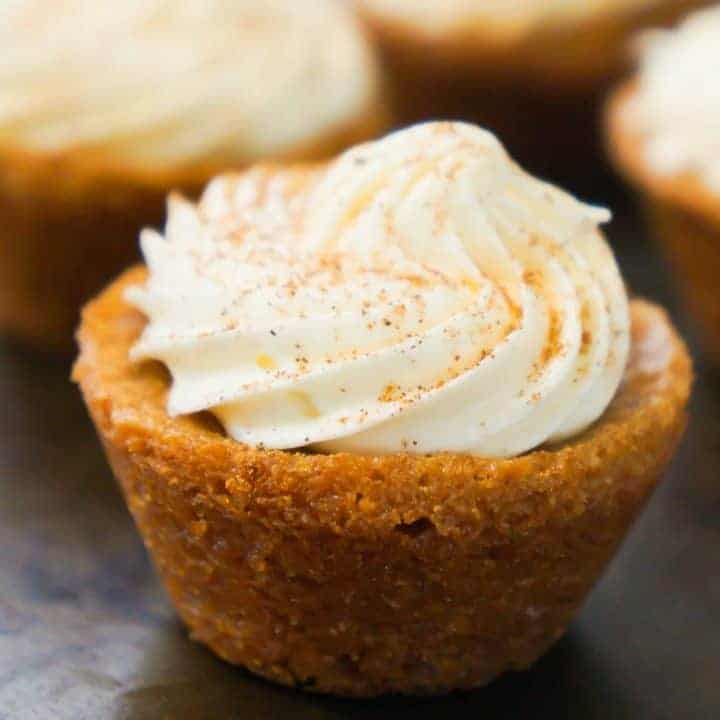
(532, 70)
(104, 107)
(664, 135)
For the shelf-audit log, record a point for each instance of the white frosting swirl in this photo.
(421, 293)
(676, 105)
(162, 82)
(509, 17)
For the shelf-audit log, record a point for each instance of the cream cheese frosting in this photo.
(508, 17)
(161, 82)
(421, 293)
(676, 103)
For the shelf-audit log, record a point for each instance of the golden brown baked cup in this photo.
(539, 91)
(70, 223)
(362, 575)
(685, 216)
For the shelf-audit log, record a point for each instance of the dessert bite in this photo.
(382, 422)
(663, 136)
(91, 143)
(533, 71)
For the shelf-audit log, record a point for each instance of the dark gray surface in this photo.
(85, 631)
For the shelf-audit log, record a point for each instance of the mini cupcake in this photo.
(664, 135)
(104, 107)
(533, 70)
(382, 423)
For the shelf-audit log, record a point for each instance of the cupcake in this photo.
(383, 422)
(105, 107)
(532, 70)
(664, 136)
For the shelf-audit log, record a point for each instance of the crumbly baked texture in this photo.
(553, 78)
(362, 575)
(70, 223)
(685, 215)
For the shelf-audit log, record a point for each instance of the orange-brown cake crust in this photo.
(685, 215)
(362, 575)
(70, 223)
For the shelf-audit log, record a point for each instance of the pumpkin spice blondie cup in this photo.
(663, 134)
(90, 143)
(382, 423)
(532, 71)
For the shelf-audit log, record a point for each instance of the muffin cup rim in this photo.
(572, 470)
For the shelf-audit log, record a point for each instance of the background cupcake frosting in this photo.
(158, 82)
(676, 100)
(511, 16)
